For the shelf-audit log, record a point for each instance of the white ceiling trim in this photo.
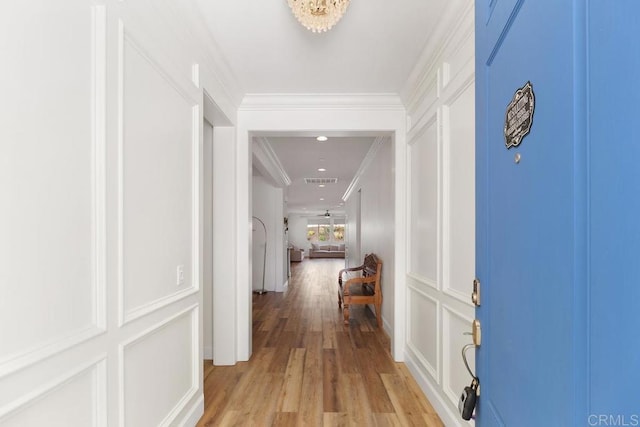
(371, 154)
(453, 17)
(213, 57)
(356, 101)
(268, 162)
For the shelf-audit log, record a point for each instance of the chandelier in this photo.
(318, 15)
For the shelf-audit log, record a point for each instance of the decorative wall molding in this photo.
(193, 312)
(269, 163)
(445, 72)
(368, 158)
(128, 315)
(212, 57)
(284, 102)
(414, 140)
(421, 125)
(197, 198)
(32, 355)
(97, 366)
(145, 309)
(447, 255)
(434, 371)
(194, 413)
(451, 24)
(420, 280)
(447, 356)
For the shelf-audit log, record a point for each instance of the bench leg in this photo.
(345, 313)
(379, 315)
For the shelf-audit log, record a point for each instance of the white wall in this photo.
(224, 245)
(298, 232)
(100, 133)
(440, 207)
(376, 185)
(267, 204)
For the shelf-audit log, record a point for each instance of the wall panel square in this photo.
(159, 136)
(51, 162)
(423, 225)
(153, 378)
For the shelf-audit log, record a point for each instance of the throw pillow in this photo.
(314, 246)
(341, 247)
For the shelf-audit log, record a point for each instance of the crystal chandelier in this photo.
(318, 15)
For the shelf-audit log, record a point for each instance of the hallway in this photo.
(307, 369)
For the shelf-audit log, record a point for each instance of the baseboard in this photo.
(285, 286)
(194, 413)
(448, 417)
(208, 353)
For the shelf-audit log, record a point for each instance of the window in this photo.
(325, 230)
(318, 230)
(338, 232)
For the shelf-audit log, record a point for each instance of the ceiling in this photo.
(371, 50)
(301, 157)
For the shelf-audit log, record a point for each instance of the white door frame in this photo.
(272, 115)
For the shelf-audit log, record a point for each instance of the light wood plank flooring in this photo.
(308, 369)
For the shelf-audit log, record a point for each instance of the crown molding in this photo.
(452, 19)
(268, 162)
(329, 101)
(213, 58)
(371, 154)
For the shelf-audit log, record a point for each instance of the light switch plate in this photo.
(180, 275)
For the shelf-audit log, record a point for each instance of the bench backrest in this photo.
(371, 265)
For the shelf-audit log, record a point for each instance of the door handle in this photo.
(475, 295)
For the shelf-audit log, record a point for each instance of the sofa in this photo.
(295, 254)
(326, 251)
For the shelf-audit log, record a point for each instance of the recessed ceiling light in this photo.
(322, 170)
(321, 185)
(321, 138)
(321, 198)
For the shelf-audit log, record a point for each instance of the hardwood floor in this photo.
(308, 369)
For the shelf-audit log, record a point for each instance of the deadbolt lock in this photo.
(476, 332)
(475, 295)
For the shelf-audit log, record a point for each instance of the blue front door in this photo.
(558, 240)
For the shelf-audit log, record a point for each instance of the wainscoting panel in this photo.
(81, 392)
(455, 375)
(441, 219)
(52, 181)
(424, 184)
(167, 379)
(458, 193)
(158, 139)
(424, 330)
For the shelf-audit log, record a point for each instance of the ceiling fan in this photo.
(326, 214)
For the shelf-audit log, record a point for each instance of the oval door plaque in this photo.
(519, 116)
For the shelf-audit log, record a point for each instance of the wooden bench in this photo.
(369, 291)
